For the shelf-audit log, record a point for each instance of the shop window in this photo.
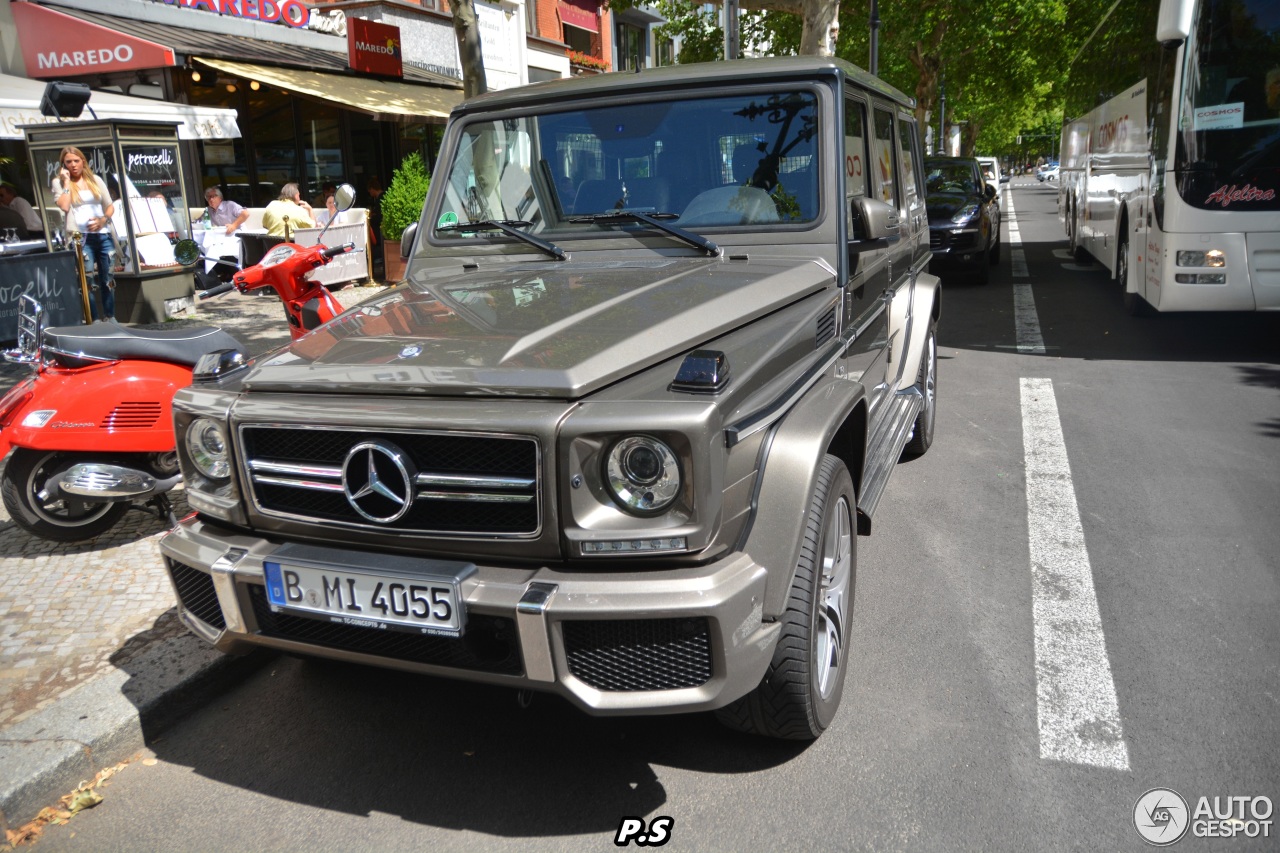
(275, 144)
(531, 17)
(321, 151)
(632, 46)
(578, 40)
(666, 52)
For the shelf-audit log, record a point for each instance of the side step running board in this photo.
(884, 449)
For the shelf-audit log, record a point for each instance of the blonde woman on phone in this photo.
(84, 198)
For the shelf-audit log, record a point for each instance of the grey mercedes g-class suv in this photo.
(663, 338)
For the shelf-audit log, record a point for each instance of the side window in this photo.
(906, 146)
(855, 148)
(885, 178)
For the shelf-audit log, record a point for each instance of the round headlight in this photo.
(207, 447)
(642, 474)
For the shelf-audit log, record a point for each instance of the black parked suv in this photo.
(964, 216)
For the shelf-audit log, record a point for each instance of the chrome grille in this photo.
(465, 483)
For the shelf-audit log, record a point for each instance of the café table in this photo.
(217, 243)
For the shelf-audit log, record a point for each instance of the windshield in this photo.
(728, 161)
(1229, 117)
(949, 178)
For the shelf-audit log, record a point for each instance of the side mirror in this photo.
(872, 219)
(186, 252)
(988, 192)
(345, 196)
(406, 240)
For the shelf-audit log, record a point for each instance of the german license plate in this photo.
(420, 603)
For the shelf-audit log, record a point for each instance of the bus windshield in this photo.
(1229, 112)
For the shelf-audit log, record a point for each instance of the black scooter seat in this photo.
(81, 346)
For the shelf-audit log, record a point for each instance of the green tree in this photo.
(402, 201)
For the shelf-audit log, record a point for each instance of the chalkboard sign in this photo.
(51, 278)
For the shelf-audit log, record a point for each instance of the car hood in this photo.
(547, 329)
(944, 205)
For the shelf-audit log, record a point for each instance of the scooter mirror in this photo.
(186, 252)
(345, 196)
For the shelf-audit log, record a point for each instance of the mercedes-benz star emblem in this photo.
(377, 479)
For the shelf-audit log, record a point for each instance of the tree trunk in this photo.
(821, 26)
(467, 31)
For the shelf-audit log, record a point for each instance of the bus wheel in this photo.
(1134, 304)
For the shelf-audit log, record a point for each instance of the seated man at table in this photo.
(291, 205)
(222, 212)
(9, 198)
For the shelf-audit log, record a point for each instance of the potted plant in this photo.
(401, 206)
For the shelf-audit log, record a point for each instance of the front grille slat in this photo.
(630, 655)
(488, 644)
(468, 484)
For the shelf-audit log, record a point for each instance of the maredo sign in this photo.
(58, 45)
(291, 12)
(374, 47)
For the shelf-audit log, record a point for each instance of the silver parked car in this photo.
(663, 339)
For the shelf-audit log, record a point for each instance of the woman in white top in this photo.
(84, 198)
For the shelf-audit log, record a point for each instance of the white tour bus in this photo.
(1172, 183)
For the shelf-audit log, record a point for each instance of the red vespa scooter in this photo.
(92, 429)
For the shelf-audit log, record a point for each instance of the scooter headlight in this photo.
(207, 447)
(642, 474)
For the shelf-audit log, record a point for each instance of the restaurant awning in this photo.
(382, 98)
(20, 104)
(583, 14)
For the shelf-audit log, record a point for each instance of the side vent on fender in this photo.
(132, 415)
(826, 328)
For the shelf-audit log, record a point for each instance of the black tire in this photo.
(1073, 237)
(1134, 305)
(993, 257)
(982, 270)
(57, 520)
(927, 385)
(800, 693)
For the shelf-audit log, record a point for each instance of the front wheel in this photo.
(49, 516)
(1134, 304)
(927, 385)
(800, 692)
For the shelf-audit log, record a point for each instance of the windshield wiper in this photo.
(512, 228)
(617, 217)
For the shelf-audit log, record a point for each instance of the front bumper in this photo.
(625, 642)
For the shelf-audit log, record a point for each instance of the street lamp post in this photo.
(875, 38)
(942, 115)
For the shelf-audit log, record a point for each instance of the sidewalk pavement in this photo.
(91, 648)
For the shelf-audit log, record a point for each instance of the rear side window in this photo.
(855, 148)
(906, 146)
(884, 173)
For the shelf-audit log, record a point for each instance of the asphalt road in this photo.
(952, 732)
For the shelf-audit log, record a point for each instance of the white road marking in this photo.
(1025, 320)
(1075, 693)
(1017, 257)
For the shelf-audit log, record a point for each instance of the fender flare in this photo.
(830, 418)
(926, 308)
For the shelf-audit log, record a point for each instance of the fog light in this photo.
(1211, 278)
